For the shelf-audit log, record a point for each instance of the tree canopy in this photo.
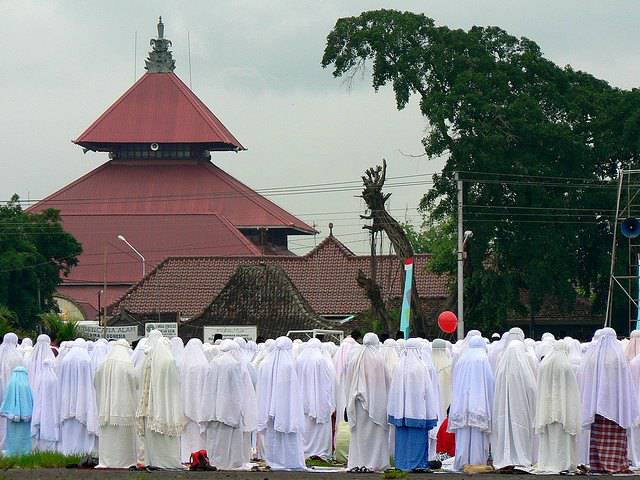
(35, 252)
(538, 146)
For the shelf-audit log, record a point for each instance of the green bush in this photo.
(58, 329)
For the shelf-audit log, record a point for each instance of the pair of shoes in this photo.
(360, 470)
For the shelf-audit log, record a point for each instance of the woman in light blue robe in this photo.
(17, 407)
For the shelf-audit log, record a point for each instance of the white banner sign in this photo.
(168, 329)
(248, 332)
(94, 332)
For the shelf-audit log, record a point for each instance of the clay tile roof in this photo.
(158, 108)
(326, 278)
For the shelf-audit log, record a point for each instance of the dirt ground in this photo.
(62, 474)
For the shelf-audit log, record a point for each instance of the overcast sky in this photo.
(256, 64)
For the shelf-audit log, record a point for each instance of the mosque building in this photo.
(159, 194)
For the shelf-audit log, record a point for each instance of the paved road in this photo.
(62, 474)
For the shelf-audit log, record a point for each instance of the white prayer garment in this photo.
(634, 431)
(514, 408)
(231, 408)
(317, 378)
(413, 406)
(160, 414)
(116, 395)
(280, 414)
(607, 388)
(268, 346)
(26, 349)
(557, 411)
(470, 415)
(195, 367)
(460, 347)
(367, 388)
(45, 419)
(245, 356)
(78, 412)
(340, 361)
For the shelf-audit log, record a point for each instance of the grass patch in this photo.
(319, 462)
(391, 474)
(39, 460)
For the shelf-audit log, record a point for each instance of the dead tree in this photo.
(382, 221)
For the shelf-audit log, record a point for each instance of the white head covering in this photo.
(367, 382)
(279, 392)
(195, 367)
(137, 357)
(269, 344)
(41, 352)
(413, 398)
(607, 388)
(317, 377)
(390, 355)
(77, 394)
(10, 358)
(558, 396)
(229, 390)
(545, 346)
(473, 383)
(211, 351)
(99, 354)
(26, 348)
(160, 401)
(177, 350)
(45, 420)
(633, 348)
(116, 384)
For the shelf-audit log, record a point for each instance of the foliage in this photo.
(322, 463)
(7, 320)
(525, 133)
(39, 460)
(58, 329)
(34, 252)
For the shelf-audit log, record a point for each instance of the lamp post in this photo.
(121, 238)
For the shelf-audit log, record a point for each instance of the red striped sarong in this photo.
(608, 447)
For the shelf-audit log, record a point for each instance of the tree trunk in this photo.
(382, 221)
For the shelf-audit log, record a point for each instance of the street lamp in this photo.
(121, 237)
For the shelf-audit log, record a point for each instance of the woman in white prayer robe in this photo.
(340, 361)
(470, 414)
(634, 431)
(45, 420)
(10, 358)
(317, 379)
(367, 389)
(138, 354)
(231, 408)
(280, 414)
(633, 347)
(390, 354)
(78, 411)
(557, 411)
(195, 367)
(116, 395)
(514, 409)
(160, 415)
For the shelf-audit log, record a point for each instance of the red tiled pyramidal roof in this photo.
(158, 108)
(326, 278)
(162, 186)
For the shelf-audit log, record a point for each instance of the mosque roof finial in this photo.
(160, 58)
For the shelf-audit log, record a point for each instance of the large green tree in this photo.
(35, 252)
(537, 145)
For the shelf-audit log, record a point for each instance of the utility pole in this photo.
(460, 257)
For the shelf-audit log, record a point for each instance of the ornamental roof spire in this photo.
(160, 58)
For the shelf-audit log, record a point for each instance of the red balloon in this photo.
(447, 321)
